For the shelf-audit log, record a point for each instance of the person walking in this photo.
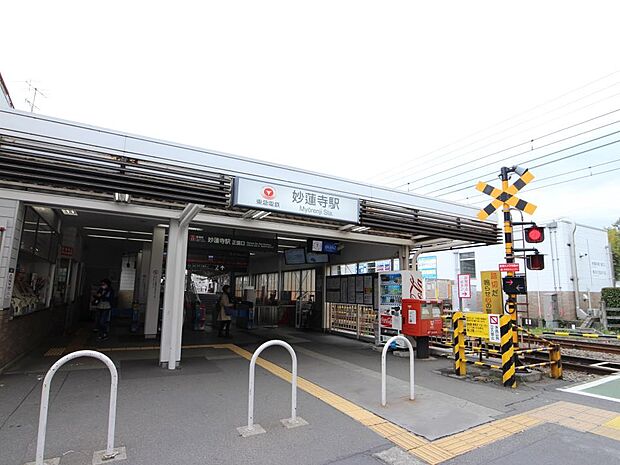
(103, 303)
(223, 317)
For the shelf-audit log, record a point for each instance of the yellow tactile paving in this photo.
(577, 425)
(525, 420)
(611, 433)
(388, 430)
(362, 415)
(604, 415)
(575, 416)
(432, 454)
(408, 441)
(614, 423)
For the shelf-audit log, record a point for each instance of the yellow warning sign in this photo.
(492, 299)
(477, 325)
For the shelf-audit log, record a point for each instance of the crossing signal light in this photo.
(534, 234)
(535, 262)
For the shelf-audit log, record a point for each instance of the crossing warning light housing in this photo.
(534, 234)
(535, 262)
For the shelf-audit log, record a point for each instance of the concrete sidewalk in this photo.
(189, 416)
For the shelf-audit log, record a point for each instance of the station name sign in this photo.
(261, 195)
(219, 241)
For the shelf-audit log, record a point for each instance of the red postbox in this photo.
(422, 318)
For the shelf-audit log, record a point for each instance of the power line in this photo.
(417, 160)
(514, 126)
(535, 159)
(576, 179)
(565, 181)
(609, 162)
(495, 142)
(521, 153)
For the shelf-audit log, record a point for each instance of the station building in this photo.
(81, 203)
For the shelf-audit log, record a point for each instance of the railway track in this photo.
(593, 365)
(583, 364)
(591, 346)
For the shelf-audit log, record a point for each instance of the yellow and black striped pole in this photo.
(508, 352)
(458, 344)
(511, 303)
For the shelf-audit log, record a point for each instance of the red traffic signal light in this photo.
(535, 262)
(534, 234)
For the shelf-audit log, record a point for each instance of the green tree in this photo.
(614, 242)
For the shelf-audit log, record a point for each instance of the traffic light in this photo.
(514, 285)
(534, 234)
(535, 262)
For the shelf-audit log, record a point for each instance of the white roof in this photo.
(45, 128)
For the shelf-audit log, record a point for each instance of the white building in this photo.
(578, 265)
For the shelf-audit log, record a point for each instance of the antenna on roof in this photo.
(34, 90)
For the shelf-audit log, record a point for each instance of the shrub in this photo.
(611, 296)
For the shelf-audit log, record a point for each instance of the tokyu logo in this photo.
(268, 193)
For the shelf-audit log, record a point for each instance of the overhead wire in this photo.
(524, 152)
(518, 114)
(561, 182)
(461, 155)
(418, 159)
(608, 162)
(533, 160)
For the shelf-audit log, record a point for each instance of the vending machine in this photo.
(394, 286)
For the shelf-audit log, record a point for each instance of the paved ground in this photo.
(189, 416)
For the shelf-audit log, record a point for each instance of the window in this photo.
(298, 283)
(266, 285)
(290, 285)
(38, 237)
(241, 282)
(467, 262)
(308, 284)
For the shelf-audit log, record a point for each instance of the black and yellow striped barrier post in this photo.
(555, 357)
(458, 344)
(508, 363)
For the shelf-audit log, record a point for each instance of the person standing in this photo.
(223, 317)
(103, 302)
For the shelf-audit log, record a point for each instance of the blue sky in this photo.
(362, 89)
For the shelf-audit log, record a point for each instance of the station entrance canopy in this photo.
(71, 163)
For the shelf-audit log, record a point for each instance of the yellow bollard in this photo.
(508, 363)
(458, 344)
(555, 355)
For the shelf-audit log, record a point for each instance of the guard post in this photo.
(458, 344)
(252, 429)
(110, 453)
(555, 359)
(384, 368)
(508, 352)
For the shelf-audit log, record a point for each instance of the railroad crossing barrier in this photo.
(384, 368)
(511, 364)
(254, 428)
(110, 453)
(579, 334)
